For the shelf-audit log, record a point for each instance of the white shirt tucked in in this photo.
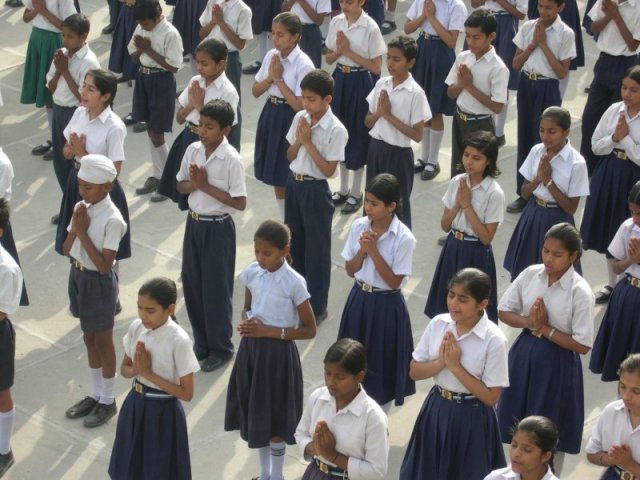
(237, 16)
(619, 246)
(318, 6)
(508, 474)
(295, 67)
(165, 41)
(221, 88)
(104, 134)
(614, 428)
(602, 141)
(521, 5)
(10, 283)
(360, 430)
(364, 37)
(59, 8)
(450, 13)
(79, 64)
(609, 40)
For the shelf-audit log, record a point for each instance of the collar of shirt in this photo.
(226, 3)
(161, 25)
(623, 109)
(620, 407)
(360, 22)
(565, 152)
(324, 123)
(160, 331)
(357, 406)
(292, 57)
(487, 57)
(556, 25)
(277, 275)
(393, 227)
(94, 209)
(565, 281)
(484, 184)
(408, 84)
(81, 53)
(103, 117)
(479, 329)
(218, 152)
(217, 83)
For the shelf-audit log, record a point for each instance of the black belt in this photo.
(193, 127)
(301, 177)
(456, 396)
(349, 68)
(149, 70)
(365, 287)
(544, 203)
(619, 154)
(467, 117)
(142, 389)
(458, 235)
(329, 470)
(535, 76)
(428, 36)
(624, 475)
(278, 100)
(208, 218)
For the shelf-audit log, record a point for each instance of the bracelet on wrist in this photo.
(333, 460)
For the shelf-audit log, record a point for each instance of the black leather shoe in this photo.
(81, 408)
(517, 205)
(48, 156)
(603, 295)
(140, 127)
(100, 415)
(338, 199)
(442, 240)
(41, 149)
(150, 185)
(118, 307)
(14, 3)
(128, 119)
(501, 140)
(418, 165)
(212, 363)
(321, 317)
(351, 206)
(55, 219)
(6, 461)
(252, 68)
(387, 27)
(430, 171)
(108, 29)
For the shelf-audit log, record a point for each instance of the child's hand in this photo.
(196, 95)
(621, 456)
(539, 318)
(323, 441)
(634, 249)
(251, 328)
(39, 6)
(452, 352)
(142, 360)
(384, 104)
(61, 61)
(544, 169)
(77, 143)
(429, 9)
(539, 33)
(465, 77)
(342, 43)
(464, 193)
(141, 43)
(198, 176)
(80, 219)
(303, 131)
(367, 241)
(610, 9)
(622, 128)
(216, 14)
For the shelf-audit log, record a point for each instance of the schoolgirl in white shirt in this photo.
(312, 14)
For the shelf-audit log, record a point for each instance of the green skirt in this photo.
(42, 46)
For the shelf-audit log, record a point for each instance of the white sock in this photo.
(344, 179)
(435, 140)
(613, 276)
(160, 160)
(264, 44)
(96, 382)
(277, 460)
(356, 183)
(390, 16)
(7, 419)
(501, 119)
(387, 407)
(50, 118)
(106, 394)
(424, 145)
(264, 454)
(280, 202)
(564, 83)
(558, 462)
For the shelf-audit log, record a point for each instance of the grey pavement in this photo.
(51, 359)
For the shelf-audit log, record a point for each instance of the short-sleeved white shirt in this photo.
(225, 171)
(568, 172)
(360, 430)
(364, 37)
(319, 6)
(614, 428)
(450, 13)
(560, 39)
(295, 67)
(104, 134)
(60, 8)
(275, 296)
(6, 176)
(487, 200)
(10, 283)
(619, 246)
(237, 16)
(79, 64)
(484, 352)
(508, 474)
(521, 5)
(170, 347)
(329, 136)
(490, 76)
(609, 40)
(408, 104)
(106, 229)
(221, 88)
(569, 301)
(396, 247)
(165, 40)
(602, 141)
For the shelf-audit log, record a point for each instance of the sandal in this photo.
(603, 295)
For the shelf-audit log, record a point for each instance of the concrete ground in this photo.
(51, 360)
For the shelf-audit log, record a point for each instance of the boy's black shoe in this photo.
(41, 149)
(387, 27)
(100, 415)
(82, 408)
(252, 68)
(6, 461)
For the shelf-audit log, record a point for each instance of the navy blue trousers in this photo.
(308, 210)
(61, 166)
(114, 10)
(208, 268)
(233, 70)
(154, 100)
(311, 43)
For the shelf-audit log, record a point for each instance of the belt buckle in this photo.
(541, 202)
(458, 235)
(323, 467)
(624, 475)
(533, 76)
(366, 287)
(220, 218)
(634, 282)
(78, 265)
(345, 69)
(138, 388)
(145, 70)
(273, 99)
(621, 155)
(462, 115)
(194, 128)
(298, 177)
(446, 394)
(195, 216)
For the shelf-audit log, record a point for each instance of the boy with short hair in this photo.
(10, 292)
(212, 174)
(317, 140)
(478, 81)
(69, 66)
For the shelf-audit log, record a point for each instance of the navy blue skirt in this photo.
(434, 61)
(71, 196)
(9, 244)
(456, 255)
(270, 162)
(545, 379)
(527, 239)
(453, 441)
(505, 48)
(311, 43)
(619, 333)
(186, 19)
(380, 321)
(350, 105)
(168, 182)
(119, 58)
(607, 206)
(398, 161)
(154, 100)
(264, 397)
(263, 12)
(151, 440)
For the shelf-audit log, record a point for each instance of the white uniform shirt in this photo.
(364, 38)
(329, 137)
(508, 474)
(490, 76)
(619, 246)
(396, 247)
(560, 39)
(602, 141)
(170, 347)
(60, 8)
(236, 14)
(319, 6)
(225, 171)
(484, 352)
(104, 134)
(568, 172)
(106, 229)
(614, 428)
(221, 88)
(10, 283)
(450, 13)
(165, 40)
(569, 301)
(6, 176)
(408, 104)
(275, 296)
(79, 64)
(487, 200)
(360, 430)
(295, 67)
(609, 40)
(521, 5)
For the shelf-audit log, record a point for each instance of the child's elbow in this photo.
(497, 107)
(241, 203)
